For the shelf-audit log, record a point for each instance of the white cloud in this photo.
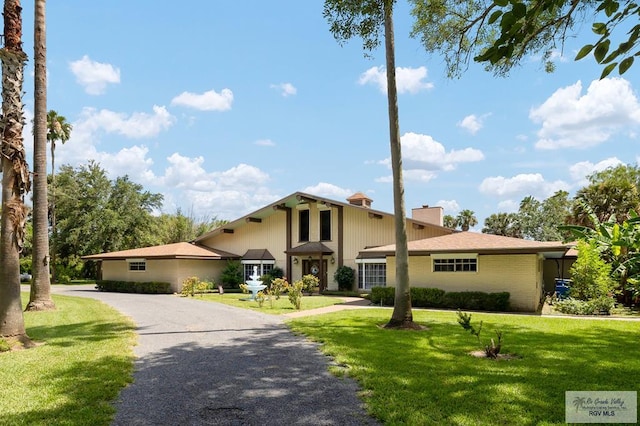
(523, 184)
(449, 206)
(137, 125)
(424, 153)
(265, 142)
(408, 80)
(329, 190)
(207, 101)
(472, 123)
(509, 206)
(286, 89)
(580, 171)
(572, 120)
(94, 76)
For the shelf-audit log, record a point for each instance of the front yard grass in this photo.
(428, 377)
(280, 306)
(72, 378)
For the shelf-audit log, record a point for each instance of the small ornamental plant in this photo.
(295, 293)
(277, 287)
(193, 285)
(310, 282)
(260, 298)
(492, 349)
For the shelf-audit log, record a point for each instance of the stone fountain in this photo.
(254, 285)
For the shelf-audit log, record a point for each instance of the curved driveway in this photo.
(202, 363)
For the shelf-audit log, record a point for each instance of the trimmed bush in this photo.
(437, 298)
(150, 287)
(345, 276)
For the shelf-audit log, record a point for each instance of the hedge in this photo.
(153, 287)
(436, 298)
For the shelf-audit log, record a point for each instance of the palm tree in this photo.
(466, 219)
(366, 18)
(57, 130)
(15, 175)
(40, 298)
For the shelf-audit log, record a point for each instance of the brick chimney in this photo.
(433, 215)
(360, 200)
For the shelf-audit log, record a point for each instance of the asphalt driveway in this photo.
(202, 363)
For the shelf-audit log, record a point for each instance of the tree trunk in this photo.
(15, 174)
(40, 298)
(54, 234)
(402, 316)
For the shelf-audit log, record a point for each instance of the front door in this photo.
(313, 267)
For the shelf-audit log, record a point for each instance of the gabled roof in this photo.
(313, 247)
(258, 254)
(291, 201)
(167, 251)
(474, 242)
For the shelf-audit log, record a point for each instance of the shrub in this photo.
(295, 293)
(309, 283)
(571, 306)
(4, 346)
(133, 287)
(345, 276)
(591, 276)
(193, 285)
(232, 274)
(437, 298)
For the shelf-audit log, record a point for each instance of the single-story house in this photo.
(301, 233)
(471, 261)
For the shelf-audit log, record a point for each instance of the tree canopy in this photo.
(501, 33)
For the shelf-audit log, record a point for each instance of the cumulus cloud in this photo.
(449, 206)
(571, 119)
(523, 184)
(329, 190)
(94, 76)
(408, 80)
(286, 89)
(424, 153)
(265, 142)
(580, 171)
(137, 125)
(207, 101)
(472, 123)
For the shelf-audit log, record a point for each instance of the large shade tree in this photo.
(368, 20)
(15, 175)
(501, 33)
(40, 297)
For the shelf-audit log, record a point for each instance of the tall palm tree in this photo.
(58, 129)
(15, 174)
(466, 219)
(367, 19)
(40, 298)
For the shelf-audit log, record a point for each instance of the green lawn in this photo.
(74, 377)
(429, 378)
(280, 306)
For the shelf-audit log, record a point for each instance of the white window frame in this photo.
(455, 257)
(142, 262)
(362, 271)
(259, 263)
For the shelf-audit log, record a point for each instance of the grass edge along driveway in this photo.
(429, 378)
(74, 377)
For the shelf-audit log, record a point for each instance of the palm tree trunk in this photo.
(40, 298)
(402, 315)
(15, 175)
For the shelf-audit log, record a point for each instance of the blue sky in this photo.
(224, 107)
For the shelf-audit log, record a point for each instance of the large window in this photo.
(138, 266)
(303, 221)
(455, 265)
(261, 268)
(325, 225)
(372, 273)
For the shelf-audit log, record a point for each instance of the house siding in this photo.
(524, 282)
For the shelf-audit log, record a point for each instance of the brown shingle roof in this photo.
(167, 251)
(474, 242)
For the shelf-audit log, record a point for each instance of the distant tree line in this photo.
(95, 214)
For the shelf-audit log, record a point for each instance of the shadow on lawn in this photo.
(430, 378)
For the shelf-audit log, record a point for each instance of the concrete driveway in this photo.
(201, 363)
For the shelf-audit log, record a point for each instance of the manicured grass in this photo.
(429, 378)
(73, 378)
(280, 306)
